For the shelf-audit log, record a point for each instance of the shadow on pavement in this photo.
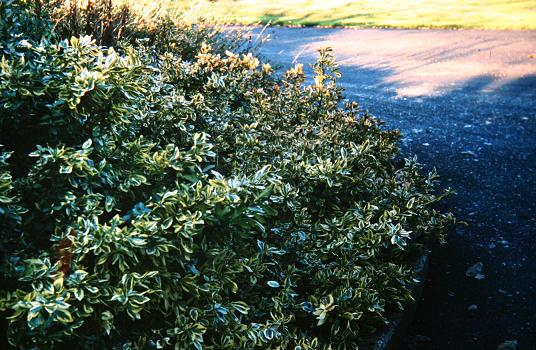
(482, 143)
(480, 134)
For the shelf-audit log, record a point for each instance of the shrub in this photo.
(110, 23)
(157, 197)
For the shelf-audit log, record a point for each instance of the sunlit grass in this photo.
(485, 14)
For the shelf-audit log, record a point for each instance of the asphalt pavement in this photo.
(465, 101)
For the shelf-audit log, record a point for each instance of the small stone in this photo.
(475, 271)
(505, 243)
(472, 307)
(422, 338)
(416, 341)
(508, 345)
(469, 153)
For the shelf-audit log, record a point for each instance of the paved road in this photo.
(466, 104)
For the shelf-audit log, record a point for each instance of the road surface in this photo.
(465, 102)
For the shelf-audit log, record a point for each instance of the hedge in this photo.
(163, 188)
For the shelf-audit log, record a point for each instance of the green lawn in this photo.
(486, 14)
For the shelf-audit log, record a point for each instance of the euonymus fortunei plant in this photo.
(168, 193)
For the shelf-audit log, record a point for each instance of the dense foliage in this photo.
(171, 194)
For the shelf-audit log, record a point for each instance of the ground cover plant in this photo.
(160, 187)
(450, 14)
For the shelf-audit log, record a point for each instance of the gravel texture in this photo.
(465, 102)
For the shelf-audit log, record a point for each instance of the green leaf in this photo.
(63, 316)
(241, 307)
(34, 312)
(87, 144)
(273, 284)
(66, 169)
(79, 294)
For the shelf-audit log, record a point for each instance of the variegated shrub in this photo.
(157, 198)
